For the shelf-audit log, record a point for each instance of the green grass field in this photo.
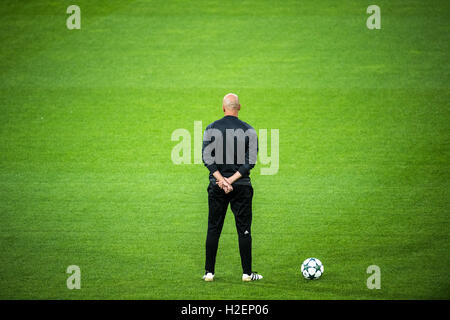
(86, 176)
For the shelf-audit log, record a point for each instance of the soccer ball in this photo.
(312, 268)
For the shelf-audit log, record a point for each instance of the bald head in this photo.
(231, 104)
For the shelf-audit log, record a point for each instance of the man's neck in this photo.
(231, 114)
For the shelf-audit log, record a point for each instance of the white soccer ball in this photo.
(312, 268)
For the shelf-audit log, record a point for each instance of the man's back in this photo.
(230, 145)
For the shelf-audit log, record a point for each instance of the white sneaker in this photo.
(208, 277)
(251, 277)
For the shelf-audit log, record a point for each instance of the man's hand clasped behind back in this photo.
(225, 185)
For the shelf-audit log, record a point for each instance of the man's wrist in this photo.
(234, 177)
(218, 176)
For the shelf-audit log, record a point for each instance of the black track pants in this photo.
(240, 200)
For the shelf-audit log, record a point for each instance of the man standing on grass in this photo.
(230, 148)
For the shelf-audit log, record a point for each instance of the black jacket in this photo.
(230, 145)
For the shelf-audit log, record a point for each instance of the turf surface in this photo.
(86, 176)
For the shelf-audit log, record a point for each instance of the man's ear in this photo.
(239, 107)
(223, 108)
